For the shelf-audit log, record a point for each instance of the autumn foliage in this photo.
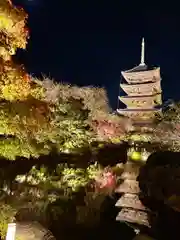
(167, 130)
(39, 118)
(14, 33)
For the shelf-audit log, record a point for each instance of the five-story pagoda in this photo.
(143, 101)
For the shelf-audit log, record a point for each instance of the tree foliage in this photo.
(7, 215)
(33, 196)
(13, 31)
(39, 116)
(167, 131)
(37, 125)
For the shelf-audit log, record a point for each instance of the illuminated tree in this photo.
(33, 196)
(41, 117)
(37, 117)
(38, 124)
(167, 131)
(14, 81)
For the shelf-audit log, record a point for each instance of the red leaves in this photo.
(27, 77)
(107, 129)
(105, 180)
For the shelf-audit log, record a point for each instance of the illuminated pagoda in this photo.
(143, 102)
(143, 92)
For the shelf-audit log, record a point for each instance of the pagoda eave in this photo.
(130, 200)
(132, 76)
(128, 111)
(139, 115)
(139, 97)
(139, 102)
(133, 216)
(129, 186)
(141, 89)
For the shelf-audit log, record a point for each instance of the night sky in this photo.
(91, 42)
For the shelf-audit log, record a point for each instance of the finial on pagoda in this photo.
(142, 52)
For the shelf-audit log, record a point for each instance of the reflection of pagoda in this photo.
(143, 91)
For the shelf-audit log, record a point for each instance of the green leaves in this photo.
(7, 216)
(62, 177)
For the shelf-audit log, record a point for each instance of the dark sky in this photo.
(90, 42)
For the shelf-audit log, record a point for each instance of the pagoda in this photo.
(143, 101)
(143, 92)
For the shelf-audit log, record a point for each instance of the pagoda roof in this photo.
(139, 110)
(138, 114)
(141, 102)
(144, 84)
(139, 68)
(128, 186)
(139, 96)
(148, 88)
(137, 75)
(130, 200)
(133, 216)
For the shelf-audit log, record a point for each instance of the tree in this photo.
(34, 196)
(167, 131)
(14, 81)
(38, 116)
(160, 192)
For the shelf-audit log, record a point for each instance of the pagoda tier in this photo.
(131, 171)
(129, 200)
(139, 115)
(139, 102)
(144, 89)
(137, 75)
(133, 216)
(129, 186)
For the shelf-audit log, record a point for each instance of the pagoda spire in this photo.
(142, 53)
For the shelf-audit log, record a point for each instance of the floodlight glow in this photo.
(136, 156)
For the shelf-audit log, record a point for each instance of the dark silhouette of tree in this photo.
(160, 190)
